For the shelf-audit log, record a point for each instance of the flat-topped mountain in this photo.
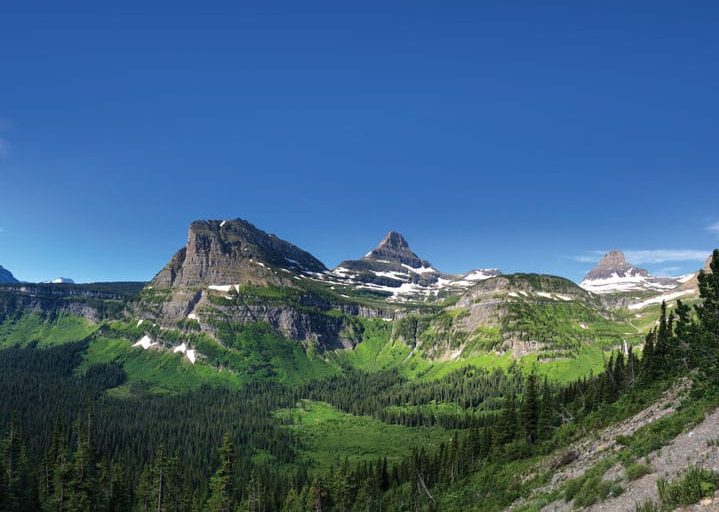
(614, 274)
(6, 276)
(231, 252)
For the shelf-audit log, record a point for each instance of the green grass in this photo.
(696, 483)
(587, 491)
(246, 352)
(377, 352)
(159, 371)
(259, 352)
(46, 332)
(329, 436)
(636, 470)
(655, 435)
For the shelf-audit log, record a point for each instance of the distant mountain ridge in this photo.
(60, 280)
(6, 276)
(614, 274)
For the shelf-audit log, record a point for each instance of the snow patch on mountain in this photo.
(628, 282)
(60, 280)
(145, 342)
(190, 353)
(613, 274)
(659, 299)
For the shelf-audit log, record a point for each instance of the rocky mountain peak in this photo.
(220, 252)
(394, 248)
(394, 240)
(614, 274)
(614, 265)
(613, 259)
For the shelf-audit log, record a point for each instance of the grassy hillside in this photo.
(45, 331)
(329, 436)
(378, 352)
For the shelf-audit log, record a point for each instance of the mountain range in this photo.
(230, 271)
(378, 356)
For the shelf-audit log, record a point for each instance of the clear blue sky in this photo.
(491, 134)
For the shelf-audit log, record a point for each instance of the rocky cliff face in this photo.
(93, 302)
(232, 252)
(614, 274)
(231, 271)
(6, 276)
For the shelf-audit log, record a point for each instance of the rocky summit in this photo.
(395, 270)
(229, 252)
(395, 249)
(6, 276)
(614, 274)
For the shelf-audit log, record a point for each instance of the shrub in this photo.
(596, 489)
(694, 485)
(637, 470)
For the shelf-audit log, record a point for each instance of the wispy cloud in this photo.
(641, 257)
(664, 255)
(714, 228)
(590, 257)
(668, 271)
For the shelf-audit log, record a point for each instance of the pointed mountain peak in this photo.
(395, 249)
(394, 240)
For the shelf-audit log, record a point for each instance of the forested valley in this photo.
(68, 445)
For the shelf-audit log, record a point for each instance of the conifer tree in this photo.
(255, 499)
(342, 489)
(648, 366)
(708, 311)
(530, 409)
(84, 483)
(15, 483)
(62, 480)
(222, 485)
(547, 412)
(505, 429)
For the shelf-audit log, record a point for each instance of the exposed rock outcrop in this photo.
(231, 252)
